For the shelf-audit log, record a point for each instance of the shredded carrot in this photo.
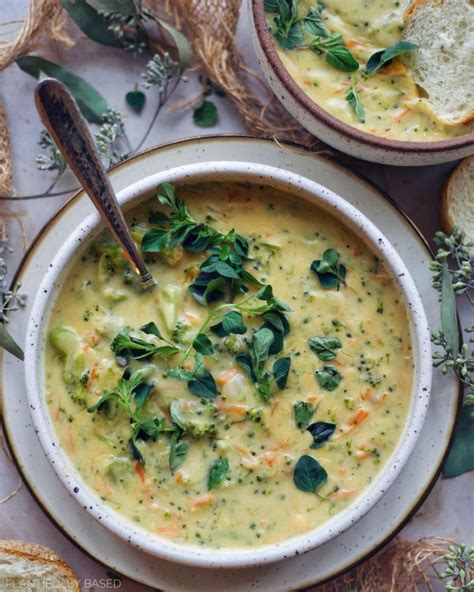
(342, 493)
(206, 499)
(268, 457)
(355, 43)
(170, 530)
(403, 113)
(94, 337)
(341, 470)
(70, 441)
(243, 451)
(233, 409)
(92, 376)
(227, 375)
(366, 394)
(192, 318)
(268, 234)
(362, 454)
(313, 399)
(359, 417)
(383, 278)
(180, 477)
(188, 365)
(393, 69)
(144, 478)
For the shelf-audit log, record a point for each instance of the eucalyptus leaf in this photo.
(92, 24)
(461, 455)
(90, 101)
(9, 344)
(179, 40)
(309, 475)
(449, 321)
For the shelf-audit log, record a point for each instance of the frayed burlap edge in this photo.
(6, 168)
(45, 20)
(402, 566)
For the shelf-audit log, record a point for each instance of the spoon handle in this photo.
(61, 116)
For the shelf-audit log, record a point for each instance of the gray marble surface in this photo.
(448, 510)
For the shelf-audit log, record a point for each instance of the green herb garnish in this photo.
(352, 97)
(303, 412)
(178, 450)
(232, 322)
(335, 52)
(330, 272)
(130, 347)
(321, 432)
(382, 58)
(131, 394)
(217, 473)
(309, 475)
(328, 378)
(254, 364)
(325, 347)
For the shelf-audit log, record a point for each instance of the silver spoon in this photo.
(62, 118)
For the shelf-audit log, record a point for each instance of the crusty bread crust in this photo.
(449, 190)
(408, 14)
(40, 554)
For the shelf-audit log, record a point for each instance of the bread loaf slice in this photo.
(458, 200)
(443, 64)
(25, 566)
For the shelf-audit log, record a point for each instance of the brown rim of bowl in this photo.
(266, 41)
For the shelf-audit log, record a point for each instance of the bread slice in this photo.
(25, 566)
(443, 66)
(457, 207)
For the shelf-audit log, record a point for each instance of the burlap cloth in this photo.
(211, 25)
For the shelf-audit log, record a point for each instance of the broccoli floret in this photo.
(234, 343)
(194, 417)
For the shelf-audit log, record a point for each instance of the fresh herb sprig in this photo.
(353, 98)
(384, 57)
(289, 30)
(131, 394)
(127, 346)
(331, 273)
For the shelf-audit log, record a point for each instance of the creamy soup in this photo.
(251, 395)
(385, 101)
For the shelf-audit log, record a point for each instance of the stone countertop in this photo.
(416, 191)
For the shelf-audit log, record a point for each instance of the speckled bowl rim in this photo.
(265, 39)
(230, 557)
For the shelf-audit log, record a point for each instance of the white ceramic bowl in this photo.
(331, 130)
(122, 527)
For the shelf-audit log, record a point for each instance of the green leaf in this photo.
(341, 58)
(154, 241)
(204, 385)
(94, 25)
(203, 345)
(313, 23)
(321, 432)
(309, 475)
(449, 320)
(9, 344)
(328, 378)
(232, 322)
(178, 450)
(150, 328)
(127, 347)
(90, 101)
(179, 40)
(325, 347)
(261, 342)
(461, 455)
(352, 97)
(382, 58)
(150, 428)
(142, 393)
(281, 369)
(331, 273)
(303, 413)
(245, 362)
(292, 38)
(135, 451)
(205, 115)
(217, 473)
(124, 7)
(271, 5)
(136, 100)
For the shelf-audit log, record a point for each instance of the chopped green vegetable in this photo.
(217, 473)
